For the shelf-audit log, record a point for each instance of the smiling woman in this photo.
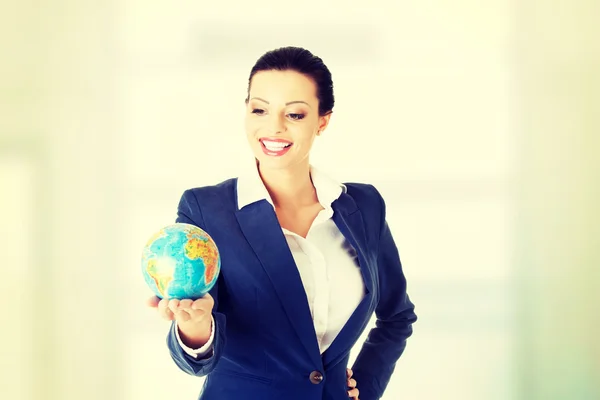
(276, 125)
(305, 260)
(290, 101)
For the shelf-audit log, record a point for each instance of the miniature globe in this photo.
(181, 261)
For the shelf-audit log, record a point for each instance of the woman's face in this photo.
(282, 118)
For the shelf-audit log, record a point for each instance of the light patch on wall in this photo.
(16, 259)
(341, 41)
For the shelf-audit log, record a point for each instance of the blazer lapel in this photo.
(349, 221)
(259, 224)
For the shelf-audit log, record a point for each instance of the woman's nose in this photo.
(277, 124)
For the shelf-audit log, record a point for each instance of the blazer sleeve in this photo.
(189, 212)
(395, 314)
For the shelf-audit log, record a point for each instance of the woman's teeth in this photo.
(275, 146)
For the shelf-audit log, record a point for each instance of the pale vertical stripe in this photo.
(558, 221)
(16, 276)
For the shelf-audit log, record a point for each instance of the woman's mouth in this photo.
(275, 147)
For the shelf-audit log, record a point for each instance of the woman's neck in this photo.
(290, 187)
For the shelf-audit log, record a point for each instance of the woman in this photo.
(305, 260)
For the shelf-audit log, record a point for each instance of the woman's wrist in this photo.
(195, 334)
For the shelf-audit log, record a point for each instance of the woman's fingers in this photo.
(353, 392)
(153, 301)
(182, 310)
(185, 304)
(194, 310)
(182, 315)
(205, 303)
(164, 311)
(173, 305)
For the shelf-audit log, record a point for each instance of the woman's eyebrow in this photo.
(287, 104)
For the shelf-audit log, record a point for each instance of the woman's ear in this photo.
(323, 122)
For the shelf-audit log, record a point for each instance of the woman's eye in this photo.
(258, 111)
(296, 116)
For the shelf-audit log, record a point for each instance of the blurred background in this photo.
(478, 121)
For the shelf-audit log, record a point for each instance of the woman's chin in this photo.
(267, 162)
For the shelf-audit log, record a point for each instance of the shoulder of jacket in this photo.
(211, 193)
(363, 192)
(367, 199)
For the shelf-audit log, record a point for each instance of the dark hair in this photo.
(302, 61)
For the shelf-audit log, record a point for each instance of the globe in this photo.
(181, 261)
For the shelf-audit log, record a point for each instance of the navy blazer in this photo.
(265, 345)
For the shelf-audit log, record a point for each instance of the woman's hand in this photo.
(193, 317)
(353, 392)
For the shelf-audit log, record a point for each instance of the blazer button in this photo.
(316, 377)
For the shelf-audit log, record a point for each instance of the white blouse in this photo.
(327, 263)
